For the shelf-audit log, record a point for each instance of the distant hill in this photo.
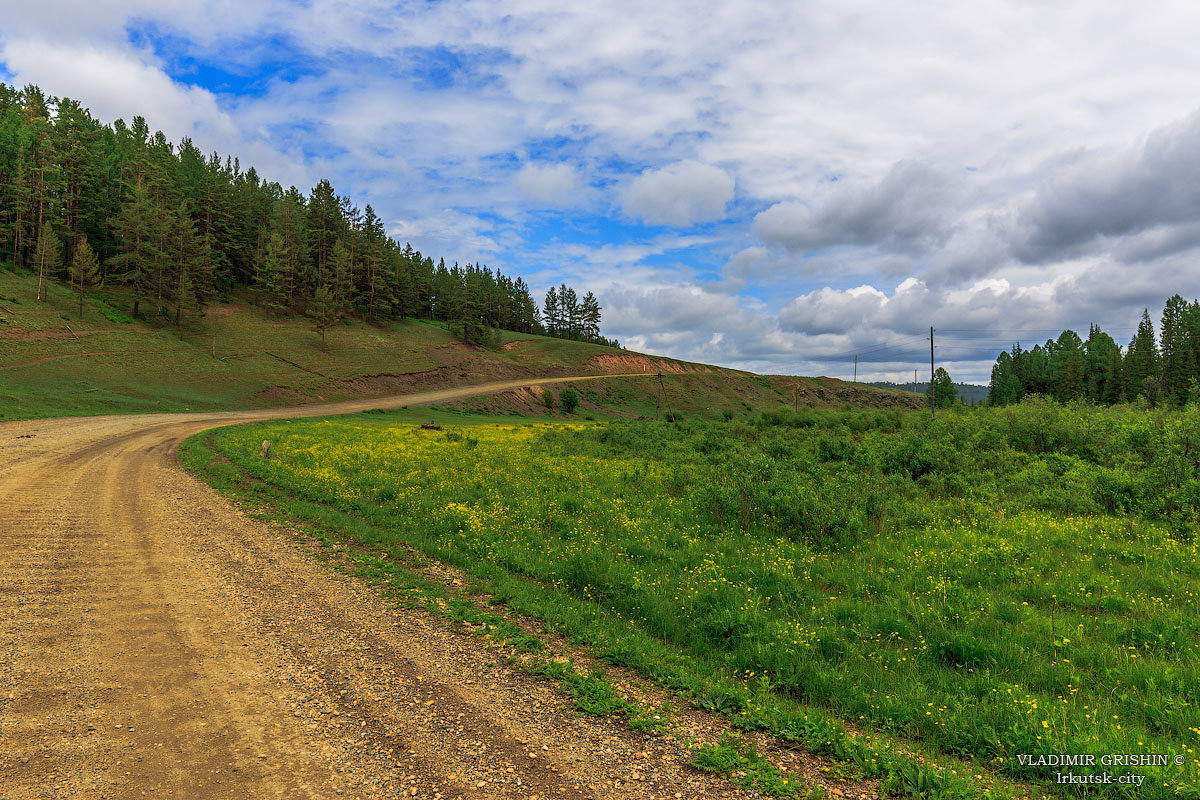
(971, 393)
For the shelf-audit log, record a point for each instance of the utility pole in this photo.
(914, 381)
(658, 398)
(856, 369)
(662, 392)
(932, 387)
(661, 399)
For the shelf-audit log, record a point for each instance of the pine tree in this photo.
(1005, 386)
(288, 221)
(526, 309)
(324, 311)
(1114, 391)
(138, 244)
(271, 278)
(380, 300)
(341, 267)
(1176, 351)
(324, 226)
(1142, 376)
(47, 259)
(568, 312)
(1066, 366)
(406, 262)
(473, 316)
(551, 313)
(84, 270)
(187, 257)
(1101, 367)
(589, 315)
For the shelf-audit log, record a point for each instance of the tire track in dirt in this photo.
(159, 643)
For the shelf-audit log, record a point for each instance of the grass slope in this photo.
(52, 363)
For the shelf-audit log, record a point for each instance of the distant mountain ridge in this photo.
(971, 393)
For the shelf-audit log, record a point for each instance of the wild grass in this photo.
(997, 583)
(53, 363)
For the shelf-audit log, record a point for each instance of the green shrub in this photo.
(568, 398)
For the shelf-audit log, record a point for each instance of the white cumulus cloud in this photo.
(680, 194)
(549, 185)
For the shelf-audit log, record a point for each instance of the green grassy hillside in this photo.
(53, 363)
(708, 392)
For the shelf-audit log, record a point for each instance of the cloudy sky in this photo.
(776, 186)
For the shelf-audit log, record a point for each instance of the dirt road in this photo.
(154, 642)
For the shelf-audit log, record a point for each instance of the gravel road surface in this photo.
(154, 642)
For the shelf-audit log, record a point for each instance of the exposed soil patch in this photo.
(633, 363)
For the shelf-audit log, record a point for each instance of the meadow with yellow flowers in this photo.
(992, 584)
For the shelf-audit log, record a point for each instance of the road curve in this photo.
(154, 642)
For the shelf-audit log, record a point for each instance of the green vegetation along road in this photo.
(157, 642)
(990, 585)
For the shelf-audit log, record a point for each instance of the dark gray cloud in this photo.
(1147, 188)
(911, 208)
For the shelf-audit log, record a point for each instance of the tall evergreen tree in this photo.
(1177, 351)
(324, 311)
(84, 270)
(589, 316)
(176, 226)
(568, 312)
(551, 313)
(1142, 375)
(1005, 386)
(1066, 367)
(47, 259)
(325, 225)
(134, 226)
(1101, 367)
(187, 258)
